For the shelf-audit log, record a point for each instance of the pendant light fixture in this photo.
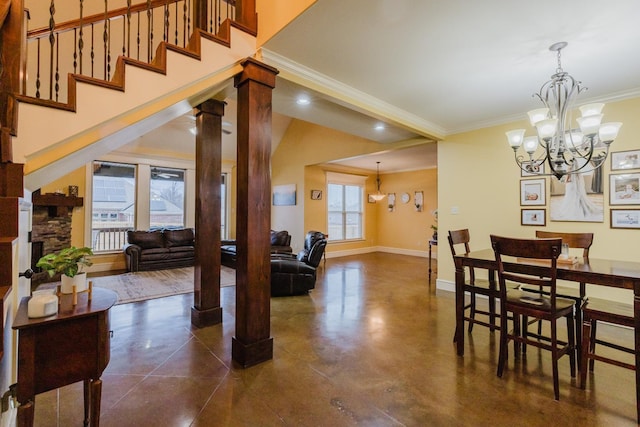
(378, 196)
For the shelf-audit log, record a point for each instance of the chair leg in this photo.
(586, 348)
(502, 357)
(554, 359)
(571, 338)
(525, 333)
(592, 343)
(517, 332)
(472, 313)
(492, 312)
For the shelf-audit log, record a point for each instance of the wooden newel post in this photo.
(206, 281)
(252, 343)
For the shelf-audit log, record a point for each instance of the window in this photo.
(166, 197)
(113, 209)
(345, 209)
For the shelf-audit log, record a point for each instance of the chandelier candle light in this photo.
(566, 150)
(378, 196)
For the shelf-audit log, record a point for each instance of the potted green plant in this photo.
(434, 227)
(69, 263)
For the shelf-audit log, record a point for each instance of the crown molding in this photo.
(350, 97)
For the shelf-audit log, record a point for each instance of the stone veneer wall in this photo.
(53, 232)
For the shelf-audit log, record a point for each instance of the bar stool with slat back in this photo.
(575, 241)
(549, 308)
(595, 310)
(475, 286)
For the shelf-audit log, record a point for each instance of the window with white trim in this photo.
(345, 206)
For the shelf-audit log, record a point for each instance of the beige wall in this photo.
(405, 228)
(478, 176)
(274, 15)
(305, 144)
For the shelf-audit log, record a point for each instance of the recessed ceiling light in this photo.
(379, 127)
(303, 100)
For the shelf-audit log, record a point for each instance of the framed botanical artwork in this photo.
(316, 194)
(537, 217)
(418, 200)
(624, 189)
(625, 218)
(531, 169)
(623, 160)
(532, 192)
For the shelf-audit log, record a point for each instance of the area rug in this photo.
(144, 285)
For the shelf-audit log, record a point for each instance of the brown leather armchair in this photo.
(292, 275)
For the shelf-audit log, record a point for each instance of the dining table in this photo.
(593, 271)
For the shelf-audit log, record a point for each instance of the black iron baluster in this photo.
(108, 49)
(176, 31)
(128, 27)
(75, 50)
(211, 10)
(38, 70)
(80, 35)
(57, 79)
(165, 35)
(93, 54)
(138, 37)
(187, 5)
(185, 22)
(52, 40)
(149, 31)
(104, 40)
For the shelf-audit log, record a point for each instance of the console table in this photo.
(62, 349)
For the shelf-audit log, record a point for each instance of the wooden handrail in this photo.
(100, 17)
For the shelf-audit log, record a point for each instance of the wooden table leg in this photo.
(87, 402)
(26, 414)
(459, 334)
(96, 395)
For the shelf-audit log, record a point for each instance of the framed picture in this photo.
(624, 189)
(537, 217)
(418, 200)
(316, 194)
(532, 192)
(622, 160)
(391, 201)
(531, 169)
(625, 218)
(284, 195)
(578, 197)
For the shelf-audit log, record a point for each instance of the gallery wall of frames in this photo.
(581, 197)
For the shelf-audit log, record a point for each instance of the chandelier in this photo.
(566, 150)
(378, 196)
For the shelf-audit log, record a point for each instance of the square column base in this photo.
(202, 318)
(248, 355)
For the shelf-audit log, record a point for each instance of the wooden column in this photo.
(206, 282)
(252, 343)
(12, 47)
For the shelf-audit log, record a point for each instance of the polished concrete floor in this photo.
(370, 346)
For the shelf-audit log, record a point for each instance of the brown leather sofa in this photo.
(291, 275)
(159, 249)
(280, 244)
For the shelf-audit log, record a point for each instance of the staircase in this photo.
(100, 116)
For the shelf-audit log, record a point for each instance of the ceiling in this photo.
(433, 68)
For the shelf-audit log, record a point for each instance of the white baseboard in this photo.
(370, 249)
